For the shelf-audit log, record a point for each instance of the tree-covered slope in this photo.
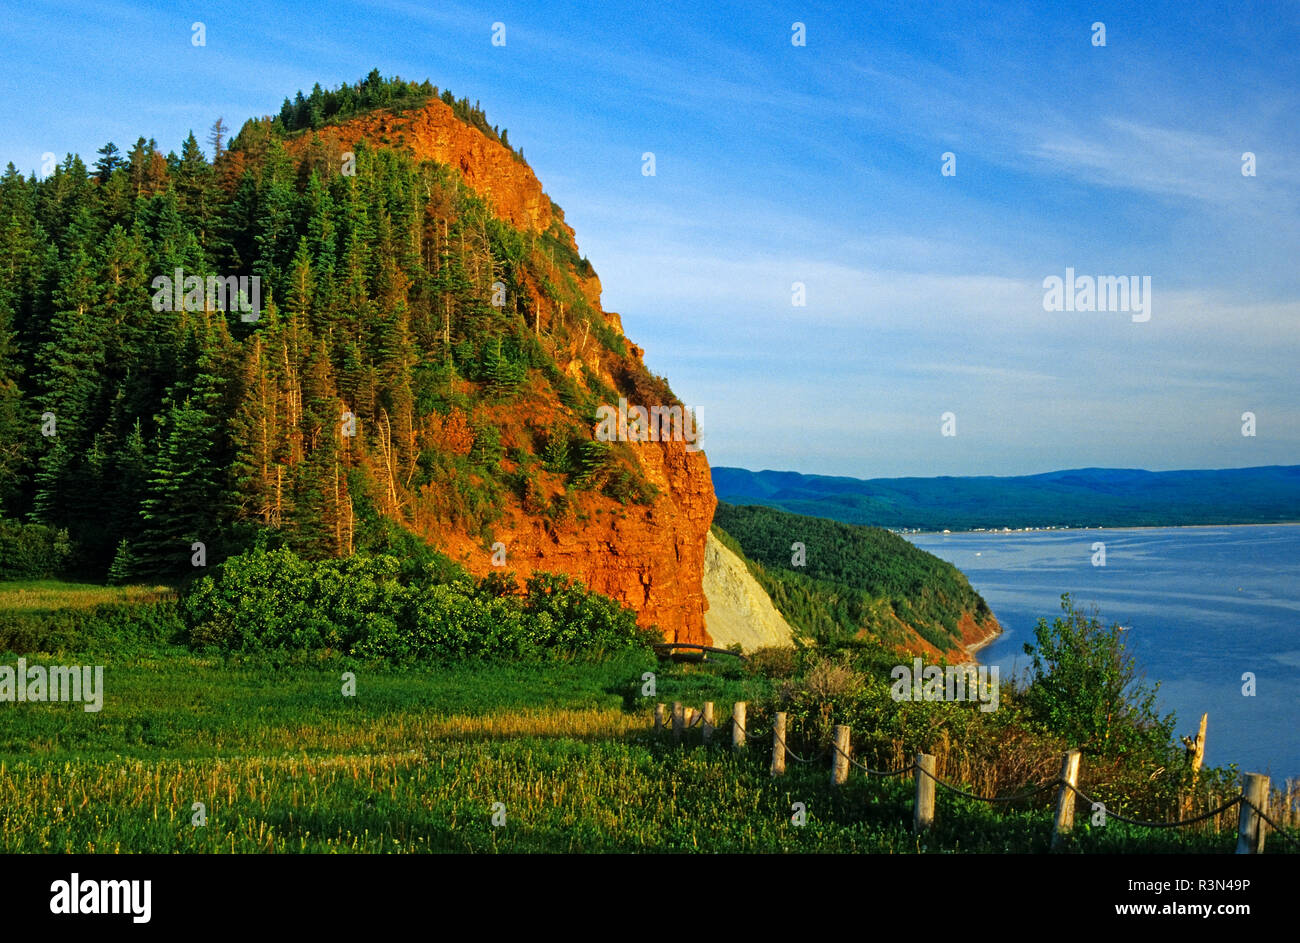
(409, 355)
(835, 580)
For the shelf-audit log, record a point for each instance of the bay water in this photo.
(1203, 606)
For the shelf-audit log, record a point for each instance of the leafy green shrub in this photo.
(627, 487)
(373, 606)
(32, 551)
(609, 338)
(107, 626)
(773, 661)
(1085, 687)
(828, 681)
(570, 615)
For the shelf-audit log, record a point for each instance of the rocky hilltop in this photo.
(649, 556)
(434, 132)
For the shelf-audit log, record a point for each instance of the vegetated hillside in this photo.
(1084, 497)
(857, 582)
(426, 358)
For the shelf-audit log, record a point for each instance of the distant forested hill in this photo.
(1083, 497)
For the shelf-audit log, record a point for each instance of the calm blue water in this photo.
(1204, 605)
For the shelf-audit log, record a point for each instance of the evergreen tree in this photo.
(125, 564)
(194, 188)
(13, 434)
(110, 158)
(316, 108)
(70, 367)
(128, 485)
(181, 503)
(256, 432)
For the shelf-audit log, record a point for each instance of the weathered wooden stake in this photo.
(738, 726)
(659, 718)
(1197, 746)
(1251, 828)
(679, 721)
(708, 723)
(778, 745)
(1196, 754)
(1065, 798)
(840, 756)
(923, 814)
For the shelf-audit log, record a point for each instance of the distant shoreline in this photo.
(974, 648)
(1066, 530)
(1081, 499)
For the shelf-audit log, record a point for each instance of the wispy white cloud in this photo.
(1170, 162)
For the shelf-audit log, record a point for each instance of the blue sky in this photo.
(821, 164)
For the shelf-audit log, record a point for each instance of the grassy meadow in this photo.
(43, 596)
(418, 758)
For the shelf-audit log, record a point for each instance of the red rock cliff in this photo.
(649, 557)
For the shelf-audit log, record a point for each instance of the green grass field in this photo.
(418, 758)
(37, 596)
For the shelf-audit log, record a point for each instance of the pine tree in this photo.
(182, 504)
(323, 244)
(276, 202)
(110, 158)
(125, 564)
(260, 431)
(128, 486)
(302, 288)
(321, 501)
(316, 108)
(63, 202)
(70, 367)
(28, 260)
(286, 116)
(13, 435)
(194, 189)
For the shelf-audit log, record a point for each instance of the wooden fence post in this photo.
(923, 813)
(1065, 798)
(778, 745)
(679, 721)
(659, 718)
(1251, 828)
(708, 722)
(738, 726)
(840, 756)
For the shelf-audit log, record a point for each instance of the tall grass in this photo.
(42, 596)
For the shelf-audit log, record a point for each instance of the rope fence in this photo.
(1253, 826)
